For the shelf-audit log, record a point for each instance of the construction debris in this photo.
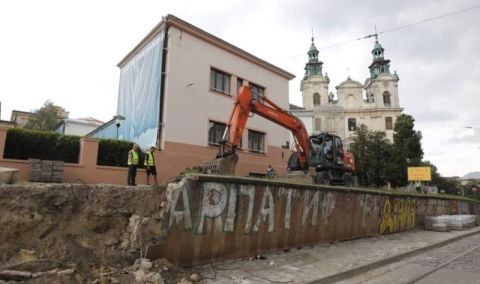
(445, 223)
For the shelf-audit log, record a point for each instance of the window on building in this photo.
(318, 124)
(257, 91)
(386, 99)
(256, 141)
(215, 132)
(352, 124)
(219, 81)
(239, 84)
(316, 99)
(388, 123)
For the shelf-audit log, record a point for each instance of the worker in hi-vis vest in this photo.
(150, 165)
(133, 160)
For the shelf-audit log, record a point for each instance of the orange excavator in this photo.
(322, 154)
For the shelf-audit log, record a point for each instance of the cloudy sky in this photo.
(67, 51)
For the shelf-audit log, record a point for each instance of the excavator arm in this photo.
(264, 107)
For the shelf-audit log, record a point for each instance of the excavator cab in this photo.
(327, 157)
(325, 149)
(331, 167)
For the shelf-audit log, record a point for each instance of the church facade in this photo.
(375, 103)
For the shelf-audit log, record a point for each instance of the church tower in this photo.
(381, 92)
(314, 86)
(380, 65)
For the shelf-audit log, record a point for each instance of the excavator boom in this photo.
(245, 104)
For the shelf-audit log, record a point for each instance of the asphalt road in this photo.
(457, 263)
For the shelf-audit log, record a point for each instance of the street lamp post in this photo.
(117, 121)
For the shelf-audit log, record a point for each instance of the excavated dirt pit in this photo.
(76, 233)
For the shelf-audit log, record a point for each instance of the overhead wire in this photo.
(371, 35)
(391, 30)
(430, 19)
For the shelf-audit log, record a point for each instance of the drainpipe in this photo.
(162, 82)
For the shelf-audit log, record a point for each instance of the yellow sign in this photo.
(419, 174)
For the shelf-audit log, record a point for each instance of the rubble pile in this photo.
(77, 233)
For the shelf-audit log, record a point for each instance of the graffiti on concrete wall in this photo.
(243, 217)
(429, 207)
(220, 205)
(463, 207)
(369, 207)
(476, 211)
(253, 208)
(398, 215)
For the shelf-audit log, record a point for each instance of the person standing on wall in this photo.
(270, 172)
(133, 159)
(151, 169)
(418, 186)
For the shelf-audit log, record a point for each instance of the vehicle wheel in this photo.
(323, 178)
(326, 179)
(348, 180)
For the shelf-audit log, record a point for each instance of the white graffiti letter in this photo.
(232, 204)
(288, 208)
(264, 212)
(248, 190)
(308, 205)
(213, 203)
(173, 194)
(328, 206)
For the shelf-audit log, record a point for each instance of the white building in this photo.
(374, 103)
(78, 126)
(177, 89)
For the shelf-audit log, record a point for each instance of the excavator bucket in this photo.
(220, 166)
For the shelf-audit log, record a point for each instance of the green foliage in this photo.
(379, 151)
(449, 186)
(372, 152)
(24, 144)
(467, 190)
(359, 150)
(45, 118)
(115, 153)
(378, 161)
(406, 151)
(407, 141)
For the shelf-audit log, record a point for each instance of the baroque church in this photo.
(374, 103)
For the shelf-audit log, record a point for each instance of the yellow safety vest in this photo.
(134, 159)
(149, 159)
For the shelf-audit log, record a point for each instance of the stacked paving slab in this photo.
(46, 170)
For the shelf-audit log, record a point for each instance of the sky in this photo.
(67, 52)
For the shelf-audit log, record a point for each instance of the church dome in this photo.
(349, 83)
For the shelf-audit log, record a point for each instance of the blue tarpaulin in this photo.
(139, 96)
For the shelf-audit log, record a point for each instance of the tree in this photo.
(45, 118)
(372, 152)
(379, 151)
(359, 150)
(406, 151)
(448, 185)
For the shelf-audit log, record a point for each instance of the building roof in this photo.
(171, 20)
(84, 120)
(23, 112)
(6, 123)
(295, 107)
(350, 83)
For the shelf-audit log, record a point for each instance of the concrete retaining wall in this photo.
(221, 217)
(199, 219)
